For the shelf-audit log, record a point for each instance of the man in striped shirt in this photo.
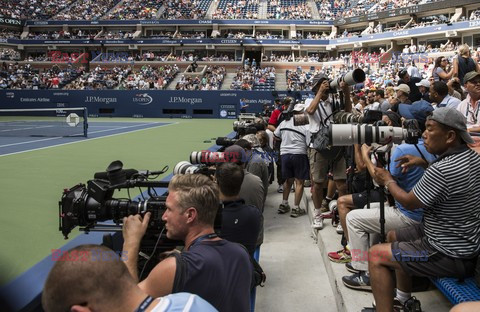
(447, 242)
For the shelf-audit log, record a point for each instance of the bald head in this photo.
(91, 275)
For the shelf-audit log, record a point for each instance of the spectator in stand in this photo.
(424, 88)
(439, 72)
(470, 107)
(380, 98)
(464, 63)
(414, 94)
(439, 95)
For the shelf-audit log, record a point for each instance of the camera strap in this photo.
(144, 305)
(421, 154)
(324, 124)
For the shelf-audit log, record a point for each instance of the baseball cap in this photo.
(418, 110)
(469, 76)
(451, 117)
(403, 87)
(394, 117)
(235, 154)
(423, 83)
(299, 107)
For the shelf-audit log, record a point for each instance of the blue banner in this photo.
(408, 32)
(170, 41)
(143, 103)
(183, 22)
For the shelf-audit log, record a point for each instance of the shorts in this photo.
(360, 199)
(418, 258)
(295, 166)
(319, 167)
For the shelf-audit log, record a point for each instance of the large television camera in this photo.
(88, 205)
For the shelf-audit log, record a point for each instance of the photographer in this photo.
(366, 221)
(320, 110)
(449, 234)
(240, 222)
(97, 280)
(215, 269)
(293, 156)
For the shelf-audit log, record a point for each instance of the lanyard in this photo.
(144, 305)
(474, 113)
(202, 238)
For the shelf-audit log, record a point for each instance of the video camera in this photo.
(245, 125)
(351, 78)
(86, 205)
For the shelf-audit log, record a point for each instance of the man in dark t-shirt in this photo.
(240, 222)
(405, 78)
(217, 270)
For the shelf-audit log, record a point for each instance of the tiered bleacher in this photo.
(186, 9)
(243, 9)
(254, 78)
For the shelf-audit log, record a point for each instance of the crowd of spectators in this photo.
(248, 76)
(135, 9)
(312, 36)
(190, 35)
(8, 54)
(160, 35)
(63, 34)
(126, 78)
(117, 34)
(237, 34)
(86, 10)
(183, 9)
(243, 9)
(475, 15)
(325, 10)
(10, 34)
(296, 10)
(211, 80)
(268, 35)
(15, 76)
(33, 9)
(300, 80)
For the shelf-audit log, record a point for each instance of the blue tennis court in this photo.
(18, 144)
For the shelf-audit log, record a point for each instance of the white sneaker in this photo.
(317, 222)
(339, 229)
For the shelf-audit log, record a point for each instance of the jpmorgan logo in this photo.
(98, 99)
(142, 99)
(182, 99)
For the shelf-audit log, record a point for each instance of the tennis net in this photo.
(44, 122)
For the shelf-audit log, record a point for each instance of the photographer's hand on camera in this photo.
(409, 161)
(134, 228)
(321, 95)
(382, 176)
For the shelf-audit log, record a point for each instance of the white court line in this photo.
(59, 137)
(20, 129)
(106, 136)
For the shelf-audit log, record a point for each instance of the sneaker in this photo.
(359, 281)
(280, 189)
(297, 212)
(341, 256)
(283, 208)
(350, 268)
(339, 229)
(397, 305)
(317, 222)
(324, 207)
(411, 305)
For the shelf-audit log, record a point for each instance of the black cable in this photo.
(151, 255)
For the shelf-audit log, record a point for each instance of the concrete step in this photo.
(173, 83)
(227, 81)
(348, 300)
(314, 9)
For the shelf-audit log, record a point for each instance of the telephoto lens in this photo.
(207, 157)
(346, 135)
(184, 167)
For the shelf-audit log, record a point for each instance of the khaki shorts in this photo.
(319, 167)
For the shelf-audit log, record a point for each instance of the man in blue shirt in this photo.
(362, 222)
